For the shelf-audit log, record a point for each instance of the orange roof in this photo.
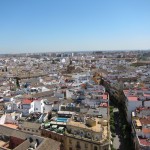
(146, 130)
(125, 91)
(144, 141)
(145, 89)
(14, 126)
(26, 101)
(104, 105)
(146, 95)
(132, 98)
(104, 96)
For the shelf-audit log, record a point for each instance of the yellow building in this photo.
(91, 134)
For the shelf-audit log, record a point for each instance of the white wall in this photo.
(69, 94)
(45, 108)
(147, 103)
(131, 106)
(59, 94)
(35, 106)
(10, 119)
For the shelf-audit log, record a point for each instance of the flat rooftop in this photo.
(96, 128)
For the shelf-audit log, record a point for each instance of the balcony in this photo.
(86, 138)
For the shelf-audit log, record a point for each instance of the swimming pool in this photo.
(61, 119)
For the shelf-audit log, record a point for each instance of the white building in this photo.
(42, 106)
(135, 99)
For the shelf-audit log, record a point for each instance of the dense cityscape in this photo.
(98, 100)
(74, 75)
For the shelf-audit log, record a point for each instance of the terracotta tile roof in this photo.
(23, 146)
(26, 101)
(144, 141)
(49, 144)
(146, 95)
(45, 143)
(105, 96)
(13, 126)
(132, 98)
(146, 120)
(146, 130)
(104, 105)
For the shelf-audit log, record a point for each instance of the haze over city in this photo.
(80, 25)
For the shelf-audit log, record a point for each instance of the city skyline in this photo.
(49, 26)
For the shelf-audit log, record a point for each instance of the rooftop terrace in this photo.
(96, 128)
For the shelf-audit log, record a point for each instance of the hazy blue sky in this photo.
(63, 25)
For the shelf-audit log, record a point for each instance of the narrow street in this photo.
(122, 134)
(118, 142)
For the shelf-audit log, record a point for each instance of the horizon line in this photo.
(74, 51)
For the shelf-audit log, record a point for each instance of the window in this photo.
(86, 145)
(95, 148)
(82, 132)
(37, 141)
(61, 140)
(78, 145)
(70, 141)
(55, 138)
